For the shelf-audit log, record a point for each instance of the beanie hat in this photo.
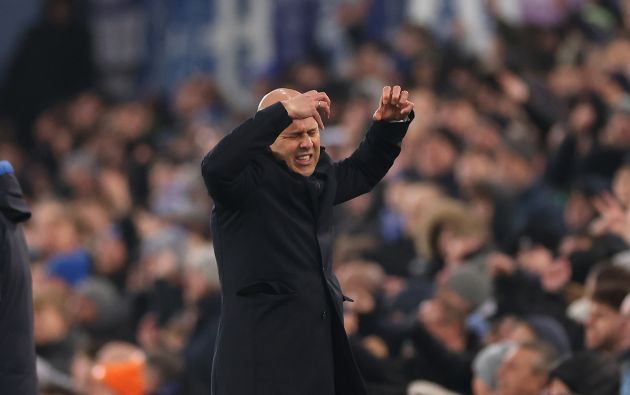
(486, 363)
(471, 283)
(110, 305)
(550, 331)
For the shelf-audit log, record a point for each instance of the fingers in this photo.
(387, 95)
(394, 105)
(318, 118)
(318, 96)
(406, 110)
(324, 97)
(395, 95)
(378, 114)
(404, 98)
(322, 103)
(324, 106)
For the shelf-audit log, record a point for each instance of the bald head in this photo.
(275, 96)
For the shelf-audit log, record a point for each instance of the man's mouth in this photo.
(304, 159)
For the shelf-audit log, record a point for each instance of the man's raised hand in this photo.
(394, 105)
(308, 104)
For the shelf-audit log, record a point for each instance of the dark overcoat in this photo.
(17, 348)
(281, 329)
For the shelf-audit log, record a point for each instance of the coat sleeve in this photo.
(369, 163)
(226, 168)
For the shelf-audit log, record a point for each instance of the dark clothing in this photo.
(567, 164)
(521, 294)
(53, 63)
(281, 329)
(436, 363)
(201, 343)
(537, 215)
(17, 348)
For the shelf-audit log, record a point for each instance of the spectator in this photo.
(604, 323)
(444, 346)
(53, 62)
(585, 373)
(525, 369)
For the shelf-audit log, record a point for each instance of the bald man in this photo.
(274, 188)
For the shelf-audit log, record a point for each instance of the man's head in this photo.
(298, 144)
(603, 328)
(524, 370)
(608, 287)
(586, 372)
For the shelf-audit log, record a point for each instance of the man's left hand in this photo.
(394, 105)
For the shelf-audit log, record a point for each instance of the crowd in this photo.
(494, 259)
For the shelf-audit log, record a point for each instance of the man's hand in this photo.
(308, 104)
(394, 105)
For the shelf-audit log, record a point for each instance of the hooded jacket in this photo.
(17, 348)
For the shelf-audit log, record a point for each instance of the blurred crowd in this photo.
(494, 259)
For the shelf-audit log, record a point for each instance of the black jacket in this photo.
(17, 348)
(281, 329)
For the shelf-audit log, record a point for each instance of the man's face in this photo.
(298, 146)
(518, 374)
(603, 328)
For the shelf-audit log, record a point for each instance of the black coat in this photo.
(281, 330)
(17, 348)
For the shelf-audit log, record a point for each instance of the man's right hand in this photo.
(308, 104)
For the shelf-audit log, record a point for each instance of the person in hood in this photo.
(17, 347)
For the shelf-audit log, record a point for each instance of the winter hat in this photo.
(548, 330)
(588, 373)
(471, 283)
(486, 363)
(72, 267)
(109, 303)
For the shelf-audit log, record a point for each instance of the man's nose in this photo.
(306, 142)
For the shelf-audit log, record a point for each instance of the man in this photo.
(274, 188)
(444, 346)
(17, 347)
(585, 372)
(525, 369)
(604, 324)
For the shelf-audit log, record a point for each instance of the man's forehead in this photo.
(301, 125)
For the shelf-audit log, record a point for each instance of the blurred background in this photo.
(493, 259)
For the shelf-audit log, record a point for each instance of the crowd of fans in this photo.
(493, 259)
